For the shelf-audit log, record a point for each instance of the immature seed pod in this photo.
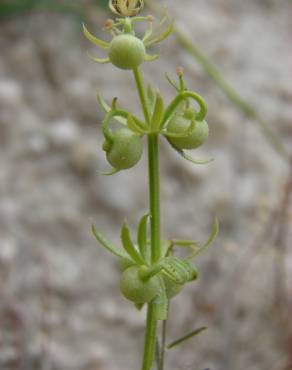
(125, 150)
(179, 124)
(135, 289)
(172, 289)
(126, 51)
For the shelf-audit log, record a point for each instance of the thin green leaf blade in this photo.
(172, 82)
(158, 112)
(161, 37)
(184, 242)
(98, 60)
(107, 244)
(187, 337)
(212, 237)
(106, 108)
(151, 58)
(93, 39)
(132, 124)
(165, 247)
(129, 246)
(188, 157)
(148, 32)
(113, 171)
(150, 96)
(142, 235)
(103, 104)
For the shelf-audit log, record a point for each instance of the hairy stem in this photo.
(154, 200)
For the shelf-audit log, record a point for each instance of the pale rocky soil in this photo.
(60, 308)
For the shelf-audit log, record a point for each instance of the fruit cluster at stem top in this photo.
(182, 124)
(184, 127)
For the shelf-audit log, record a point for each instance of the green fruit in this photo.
(125, 150)
(172, 288)
(126, 51)
(137, 290)
(179, 124)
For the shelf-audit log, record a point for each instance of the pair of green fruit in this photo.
(139, 291)
(126, 147)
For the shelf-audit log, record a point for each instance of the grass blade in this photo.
(187, 337)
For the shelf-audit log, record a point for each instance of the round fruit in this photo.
(172, 288)
(126, 51)
(137, 290)
(125, 150)
(179, 124)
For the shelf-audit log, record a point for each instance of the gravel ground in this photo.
(60, 308)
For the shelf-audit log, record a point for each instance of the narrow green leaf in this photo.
(103, 103)
(186, 337)
(150, 96)
(110, 173)
(212, 236)
(196, 161)
(129, 246)
(106, 108)
(132, 124)
(172, 82)
(139, 123)
(165, 246)
(164, 18)
(142, 235)
(148, 32)
(93, 39)
(157, 113)
(98, 60)
(184, 243)
(151, 58)
(107, 244)
(161, 37)
(187, 157)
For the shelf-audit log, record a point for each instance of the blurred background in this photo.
(60, 306)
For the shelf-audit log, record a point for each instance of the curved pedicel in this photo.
(183, 96)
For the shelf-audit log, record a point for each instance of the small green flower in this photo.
(126, 8)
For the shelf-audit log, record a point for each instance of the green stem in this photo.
(154, 200)
(154, 195)
(142, 95)
(163, 345)
(150, 338)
